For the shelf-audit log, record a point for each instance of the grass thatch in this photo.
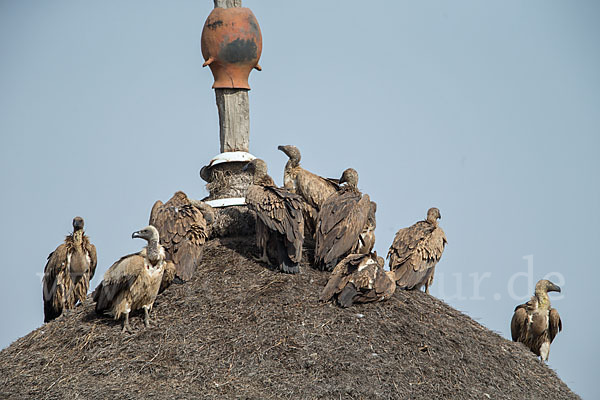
(240, 330)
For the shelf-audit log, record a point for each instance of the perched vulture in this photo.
(343, 218)
(415, 252)
(68, 272)
(182, 226)
(359, 278)
(313, 188)
(133, 282)
(535, 323)
(279, 220)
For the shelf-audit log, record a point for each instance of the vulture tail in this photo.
(285, 263)
(346, 297)
(49, 312)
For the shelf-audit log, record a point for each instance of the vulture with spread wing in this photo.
(182, 224)
(359, 278)
(134, 281)
(343, 223)
(279, 220)
(535, 323)
(68, 272)
(415, 252)
(314, 189)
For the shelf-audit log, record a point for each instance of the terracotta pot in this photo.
(231, 46)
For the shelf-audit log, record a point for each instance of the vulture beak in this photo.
(136, 234)
(284, 149)
(554, 288)
(246, 167)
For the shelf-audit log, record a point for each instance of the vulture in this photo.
(359, 278)
(182, 227)
(133, 281)
(415, 252)
(279, 219)
(343, 223)
(313, 188)
(535, 323)
(68, 272)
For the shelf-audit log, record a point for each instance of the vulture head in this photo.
(207, 211)
(149, 233)
(77, 223)
(256, 167)
(350, 177)
(292, 152)
(545, 286)
(433, 214)
(179, 198)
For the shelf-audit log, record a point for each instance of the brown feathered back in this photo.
(279, 219)
(415, 252)
(342, 218)
(359, 278)
(129, 284)
(183, 230)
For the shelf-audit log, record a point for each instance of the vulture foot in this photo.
(178, 281)
(264, 259)
(126, 326)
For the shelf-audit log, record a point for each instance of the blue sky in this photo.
(486, 110)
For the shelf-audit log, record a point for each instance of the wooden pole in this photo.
(234, 108)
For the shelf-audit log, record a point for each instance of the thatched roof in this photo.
(239, 330)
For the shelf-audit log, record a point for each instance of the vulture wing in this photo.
(182, 230)
(555, 323)
(406, 242)
(518, 324)
(340, 222)
(415, 252)
(120, 276)
(280, 211)
(340, 276)
(91, 252)
(314, 189)
(54, 287)
(168, 276)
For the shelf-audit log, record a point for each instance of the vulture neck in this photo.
(434, 222)
(543, 299)
(153, 251)
(78, 238)
(292, 163)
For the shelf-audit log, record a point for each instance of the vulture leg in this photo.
(264, 258)
(146, 317)
(126, 326)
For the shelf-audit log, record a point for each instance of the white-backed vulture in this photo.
(359, 278)
(68, 272)
(279, 220)
(342, 219)
(133, 282)
(535, 323)
(182, 226)
(415, 252)
(313, 188)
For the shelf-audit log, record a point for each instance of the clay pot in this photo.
(231, 46)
